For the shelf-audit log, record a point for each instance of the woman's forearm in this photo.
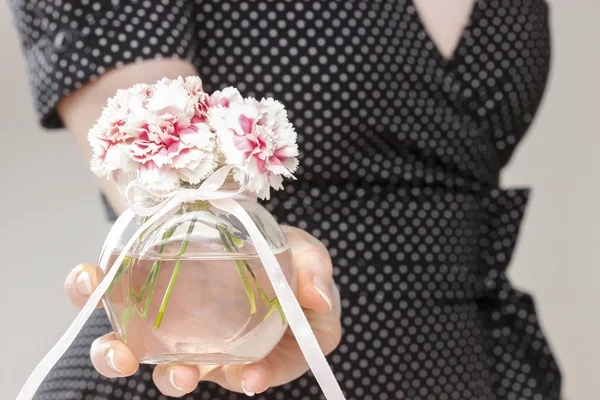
(80, 110)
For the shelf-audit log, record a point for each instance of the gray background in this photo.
(52, 218)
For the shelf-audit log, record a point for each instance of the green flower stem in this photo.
(249, 291)
(123, 268)
(152, 276)
(154, 273)
(224, 238)
(150, 281)
(274, 304)
(165, 301)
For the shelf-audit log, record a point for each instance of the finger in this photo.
(227, 376)
(249, 379)
(287, 361)
(81, 282)
(337, 299)
(327, 329)
(176, 380)
(314, 270)
(257, 377)
(112, 358)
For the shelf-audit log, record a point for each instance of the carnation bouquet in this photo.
(172, 134)
(196, 270)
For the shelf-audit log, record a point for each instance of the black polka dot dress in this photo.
(401, 155)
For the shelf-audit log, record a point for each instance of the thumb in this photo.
(81, 282)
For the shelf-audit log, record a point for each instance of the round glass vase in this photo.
(193, 290)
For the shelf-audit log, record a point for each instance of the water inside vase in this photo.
(197, 309)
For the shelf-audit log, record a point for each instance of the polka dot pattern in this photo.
(401, 155)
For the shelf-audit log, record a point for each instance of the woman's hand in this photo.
(316, 294)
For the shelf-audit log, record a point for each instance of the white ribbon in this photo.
(208, 191)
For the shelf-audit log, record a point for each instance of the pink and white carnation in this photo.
(153, 134)
(219, 99)
(173, 145)
(224, 98)
(173, 132)
(258, 136)
(116, 127)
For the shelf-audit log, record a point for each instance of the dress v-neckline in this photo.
(445, 61)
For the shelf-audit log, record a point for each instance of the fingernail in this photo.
(323, 290)
(110, 361)
(84, 284)
(247, 393)
(172, 378)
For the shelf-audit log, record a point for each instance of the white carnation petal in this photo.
(276, 182)
(185, 157)
(116, 156)
(158, 178)
(194, 83)
(169, 94)
(200, 171)
(233, 155)
(291, 164)
(264, 192)
(201, 139)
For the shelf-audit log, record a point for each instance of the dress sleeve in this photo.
(69, 43)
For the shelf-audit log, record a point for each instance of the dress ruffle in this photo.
(512, 332)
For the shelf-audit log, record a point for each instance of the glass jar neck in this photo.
(143, 197)
(229, 186)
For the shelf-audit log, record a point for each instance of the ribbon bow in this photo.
(225, 201)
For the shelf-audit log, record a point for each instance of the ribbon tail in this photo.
(297, 320)
(43, 368)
